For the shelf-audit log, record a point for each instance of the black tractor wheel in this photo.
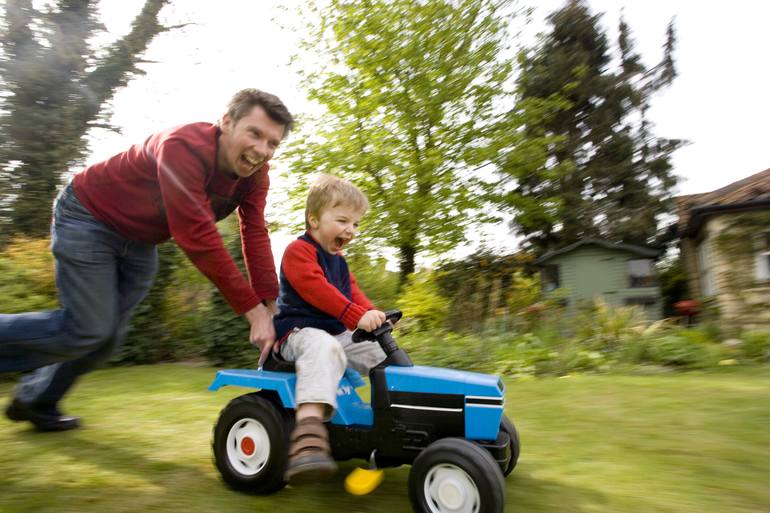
(507, 427)
(453, 475)
(251, 444)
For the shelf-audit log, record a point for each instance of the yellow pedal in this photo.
(362, 481)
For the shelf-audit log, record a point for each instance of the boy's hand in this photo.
(262, 332)
(371, 320)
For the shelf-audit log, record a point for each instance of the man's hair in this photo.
(246, 99)
(329, 192)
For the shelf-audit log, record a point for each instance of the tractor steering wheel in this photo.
(391, 318)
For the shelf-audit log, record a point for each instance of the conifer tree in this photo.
(605, 174)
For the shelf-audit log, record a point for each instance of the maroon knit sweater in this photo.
(170, 186)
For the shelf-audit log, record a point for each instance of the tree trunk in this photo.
(51, 101)
(405, 263)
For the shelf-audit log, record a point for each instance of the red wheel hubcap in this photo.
(247, 446)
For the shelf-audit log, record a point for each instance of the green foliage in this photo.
(411, 91)
(674, 349)
(603, 174)
(605, 328)
(673, 284)
(227, 337)
(423, 307)
(524, 291)
(184, 317)
(26, 276)
(150, 338)
(379, 284)
(756, 345)
(54, 87)
(188, 301)
(600, 339)
(478, 288)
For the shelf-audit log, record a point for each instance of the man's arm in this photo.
(181, 176)
(255, 239)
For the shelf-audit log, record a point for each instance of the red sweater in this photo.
(170, 186)
(317, 290)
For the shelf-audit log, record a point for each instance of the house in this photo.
(725, 248)
(621, 274)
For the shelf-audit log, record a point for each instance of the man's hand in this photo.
(270, 303)
(262, 332)
(371, 320)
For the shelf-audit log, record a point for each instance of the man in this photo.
(106, 225)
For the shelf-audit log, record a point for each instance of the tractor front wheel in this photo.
(453, 475)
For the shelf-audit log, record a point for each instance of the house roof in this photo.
(750, 193)
(643, 251)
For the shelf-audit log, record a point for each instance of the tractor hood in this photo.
(473, 400)
(433, 380)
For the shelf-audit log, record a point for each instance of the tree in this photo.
(604, 173)
(53, 90)
(411, 92)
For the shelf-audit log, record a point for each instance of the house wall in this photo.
(719, 266)
(745, 309)
(687, 248)
(593, 271)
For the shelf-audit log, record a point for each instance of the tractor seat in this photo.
(276, 363)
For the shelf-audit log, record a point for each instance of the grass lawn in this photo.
(678, 443)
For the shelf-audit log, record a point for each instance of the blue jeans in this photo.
(101, 277)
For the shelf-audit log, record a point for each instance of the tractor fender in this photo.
(281, 382)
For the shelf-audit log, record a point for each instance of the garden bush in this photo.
(756, 345)
(678, 349)
(423, 307)
(184, 317)
(26, 276)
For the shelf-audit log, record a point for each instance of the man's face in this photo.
(249, 143)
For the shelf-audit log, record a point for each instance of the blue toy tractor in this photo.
(448, 424)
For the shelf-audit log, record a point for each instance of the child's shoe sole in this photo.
(310, 468)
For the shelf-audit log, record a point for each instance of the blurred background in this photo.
(512, 153)
(572, 194)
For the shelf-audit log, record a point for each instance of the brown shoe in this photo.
(309, 453)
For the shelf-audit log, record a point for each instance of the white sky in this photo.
(720, 100)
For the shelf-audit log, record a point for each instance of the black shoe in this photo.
(43, 420)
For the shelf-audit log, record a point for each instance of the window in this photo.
(641, 273)
(762, 267)
(549, 277)
(640, 301)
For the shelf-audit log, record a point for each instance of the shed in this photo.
(620, 274)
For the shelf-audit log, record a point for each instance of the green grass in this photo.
(679, 443)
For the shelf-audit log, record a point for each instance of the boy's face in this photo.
(335, 227)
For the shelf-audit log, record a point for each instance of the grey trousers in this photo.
(321, 359)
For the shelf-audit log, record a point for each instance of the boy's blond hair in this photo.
(330, 191)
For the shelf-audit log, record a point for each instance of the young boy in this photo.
(319, 307)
